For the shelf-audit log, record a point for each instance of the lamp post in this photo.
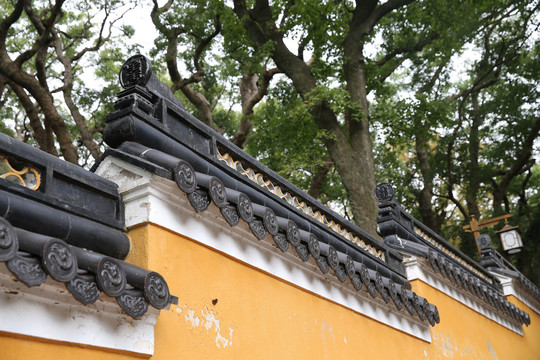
(510, 238)
(509, 235)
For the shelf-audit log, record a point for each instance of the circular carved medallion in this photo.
(135, 71)
(384, 192)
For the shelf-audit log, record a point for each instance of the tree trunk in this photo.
(522, 158)
(360, 185)
(319, 177)
(355, 168)
(248, 90)
(351, 151)
(425, 196)
(474, 178)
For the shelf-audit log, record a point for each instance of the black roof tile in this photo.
(68, 223)
(404, 233)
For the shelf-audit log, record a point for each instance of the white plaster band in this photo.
(50, 311)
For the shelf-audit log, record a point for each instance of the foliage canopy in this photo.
(439, 98)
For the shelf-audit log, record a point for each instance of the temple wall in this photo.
(464, 333)
(230, 310)
(227, 309)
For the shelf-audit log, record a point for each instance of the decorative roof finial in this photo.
(384, 192)
(137, 71)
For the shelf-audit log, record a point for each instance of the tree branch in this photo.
(456, 202)
(204, 43)
(179, 83)
(382, 11)
(261, 28)
(250, 95)
(86, 135)
(318, 178)
(419, 46)
(44, 139)
(8, 22)
(523, 156)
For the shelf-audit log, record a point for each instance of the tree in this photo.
(44, 48)
(470, 134)
(348, 144)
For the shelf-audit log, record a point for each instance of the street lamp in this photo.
(510, 238)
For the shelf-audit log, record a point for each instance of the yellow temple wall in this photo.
(230, 310)
(463, 333)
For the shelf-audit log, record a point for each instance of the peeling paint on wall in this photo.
(211, 321)
(327, 333)
(446, 347)
(492, 351)
(191, 318)
(208, 322)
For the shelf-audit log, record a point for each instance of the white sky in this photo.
(145, 32)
